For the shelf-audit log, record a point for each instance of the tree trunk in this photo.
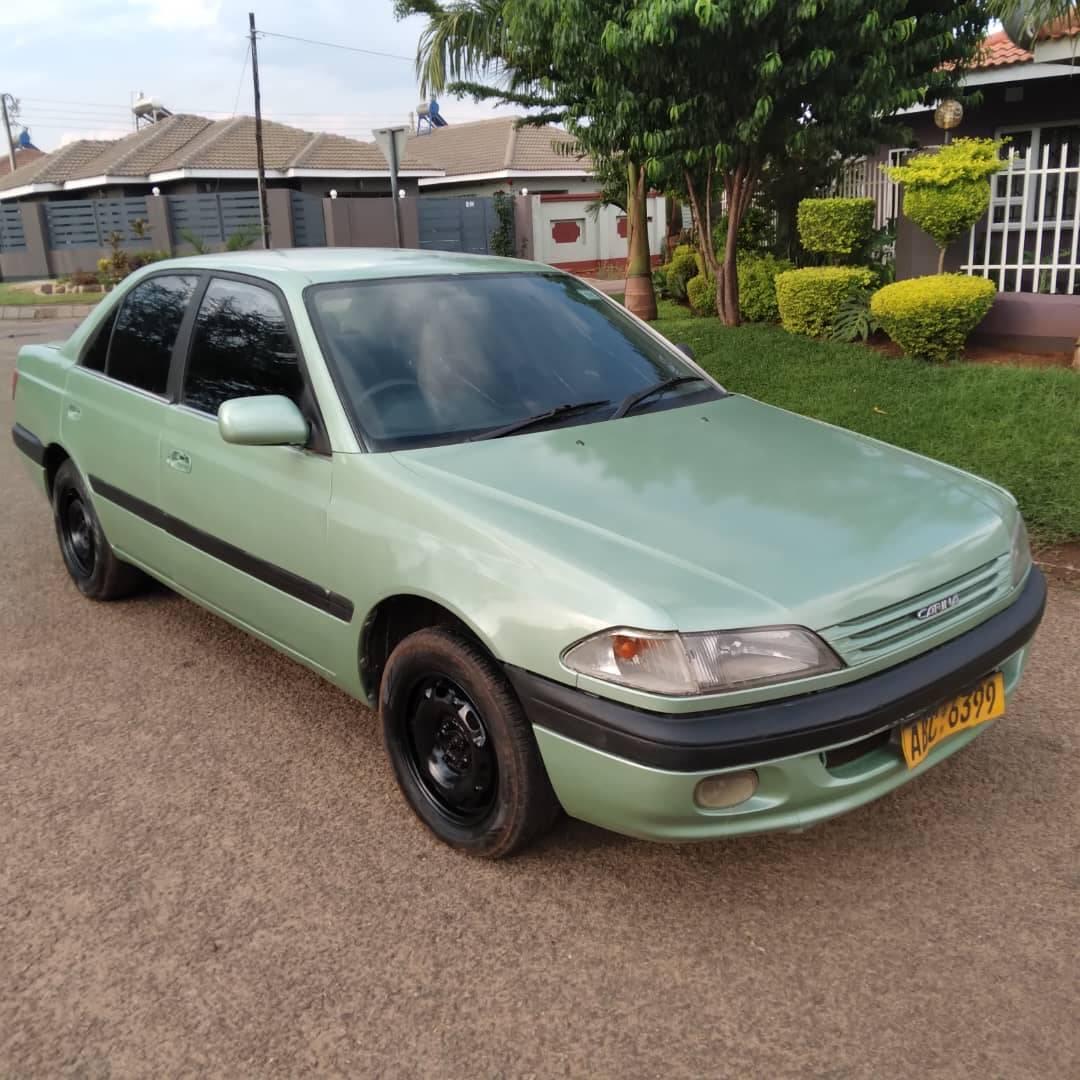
(702, 215)
(640, 298)
(739, 187)
(941, 260)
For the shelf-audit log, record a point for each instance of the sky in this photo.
(75, 64)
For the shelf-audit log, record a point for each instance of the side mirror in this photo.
(270, 420)
(685, 350)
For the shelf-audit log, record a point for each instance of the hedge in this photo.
(701, 292)
(757, 287)
(808, 299)
(930, 317)
(836, 227)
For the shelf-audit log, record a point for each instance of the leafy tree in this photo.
(1023, 19)
(705, 93)
(946, 192)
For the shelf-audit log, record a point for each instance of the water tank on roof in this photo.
(149, 110)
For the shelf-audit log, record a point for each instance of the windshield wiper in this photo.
(549, 414)
(638, 396)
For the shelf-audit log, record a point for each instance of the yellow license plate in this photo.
(983, 702)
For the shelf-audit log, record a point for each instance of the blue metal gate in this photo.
(458, 223)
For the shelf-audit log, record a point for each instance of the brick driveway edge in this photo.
(50, 311)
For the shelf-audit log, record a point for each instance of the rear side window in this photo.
(240, 347)
(98, 349)
(146, 329)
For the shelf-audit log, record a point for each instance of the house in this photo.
(185, 155)
(1029, 242)
(24, 155)
(486, 156)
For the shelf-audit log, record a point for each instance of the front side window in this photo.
(240, 347)
(423, 361)
(145, 332)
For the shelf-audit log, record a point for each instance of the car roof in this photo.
(311, 265)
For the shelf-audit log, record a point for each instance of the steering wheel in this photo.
(382, 387)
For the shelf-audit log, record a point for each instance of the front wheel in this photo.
(462, 750)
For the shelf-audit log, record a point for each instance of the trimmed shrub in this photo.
(946, 192)
(683, 266)
(809, 299)
(701, 292)
(757, 287)
(83, 277)
(930, 317)
(839, 228)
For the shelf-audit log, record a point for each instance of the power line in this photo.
(337, 45)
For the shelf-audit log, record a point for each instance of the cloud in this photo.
(181, 14)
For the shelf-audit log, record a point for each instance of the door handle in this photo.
(179, 461)
(73, 412)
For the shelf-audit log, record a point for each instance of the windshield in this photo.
(422, 361)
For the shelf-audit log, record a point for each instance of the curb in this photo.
(49, 311)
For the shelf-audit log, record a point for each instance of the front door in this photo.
(251, 520)
(115, 410)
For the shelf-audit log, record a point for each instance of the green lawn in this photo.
(12, 295)
(1017, 426)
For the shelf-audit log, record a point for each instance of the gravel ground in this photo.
(205, 869)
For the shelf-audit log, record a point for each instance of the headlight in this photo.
(1021, 551)
(687, 664)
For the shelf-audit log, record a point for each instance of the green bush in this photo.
(809, 299)
(839, 228)
(757, 233)
(701, 292)
(930, 317)
(683, 266)
(757, 287)
(946, 192)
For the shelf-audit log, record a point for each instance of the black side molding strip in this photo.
(29, 444)
(746, 735)
(340, 607)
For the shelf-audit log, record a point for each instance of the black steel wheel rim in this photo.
(77, 534)
(449, 750)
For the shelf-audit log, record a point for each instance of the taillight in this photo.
(14, 382)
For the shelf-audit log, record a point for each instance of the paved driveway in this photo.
(205, 869)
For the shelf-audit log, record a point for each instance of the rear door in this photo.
(251, 519)
(115, 408)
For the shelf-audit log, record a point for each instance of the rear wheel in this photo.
(89, 558)
(462, 750)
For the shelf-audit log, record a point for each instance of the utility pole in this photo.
(4, 99)
(264, 218)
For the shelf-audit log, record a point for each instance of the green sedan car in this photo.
(569, 570)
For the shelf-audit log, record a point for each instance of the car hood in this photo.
(731, 513)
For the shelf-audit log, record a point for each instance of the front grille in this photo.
(896, 627)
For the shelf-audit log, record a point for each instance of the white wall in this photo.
(571, 184)
(565, 234)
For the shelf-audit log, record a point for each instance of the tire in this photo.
(464, 754)
(85, 549)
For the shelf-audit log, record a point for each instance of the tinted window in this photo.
(241, 347)
(96, 351)
(434, 360)
(146, 329)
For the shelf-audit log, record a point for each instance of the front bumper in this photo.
(635, 772)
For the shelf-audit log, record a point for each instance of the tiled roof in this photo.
(58, 166)
(194, 142)
(23, 156)
(999, 50)
(496, 145)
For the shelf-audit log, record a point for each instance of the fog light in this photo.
(726, 789)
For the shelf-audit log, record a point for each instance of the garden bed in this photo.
(1016, 425)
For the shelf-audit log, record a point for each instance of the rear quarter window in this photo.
(146, 328)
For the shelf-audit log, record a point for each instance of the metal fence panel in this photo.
(12, 237)
(197, 215)
(309, 226)
(240, 211)
(458, 223)
(90, 222)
